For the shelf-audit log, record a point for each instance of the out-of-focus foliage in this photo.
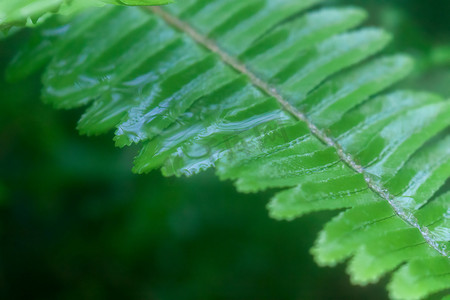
(28, 12)
(437, 57)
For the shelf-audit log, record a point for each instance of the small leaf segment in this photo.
(29, 12)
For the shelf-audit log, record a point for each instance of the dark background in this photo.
(75, 223)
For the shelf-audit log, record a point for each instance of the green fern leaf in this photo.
(273, 95)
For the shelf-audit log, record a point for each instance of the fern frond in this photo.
(274, 96)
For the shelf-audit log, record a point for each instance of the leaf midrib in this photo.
(319, 134)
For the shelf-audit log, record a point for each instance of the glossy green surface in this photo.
(155, 85)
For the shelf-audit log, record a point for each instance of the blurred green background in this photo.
(75, 223)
